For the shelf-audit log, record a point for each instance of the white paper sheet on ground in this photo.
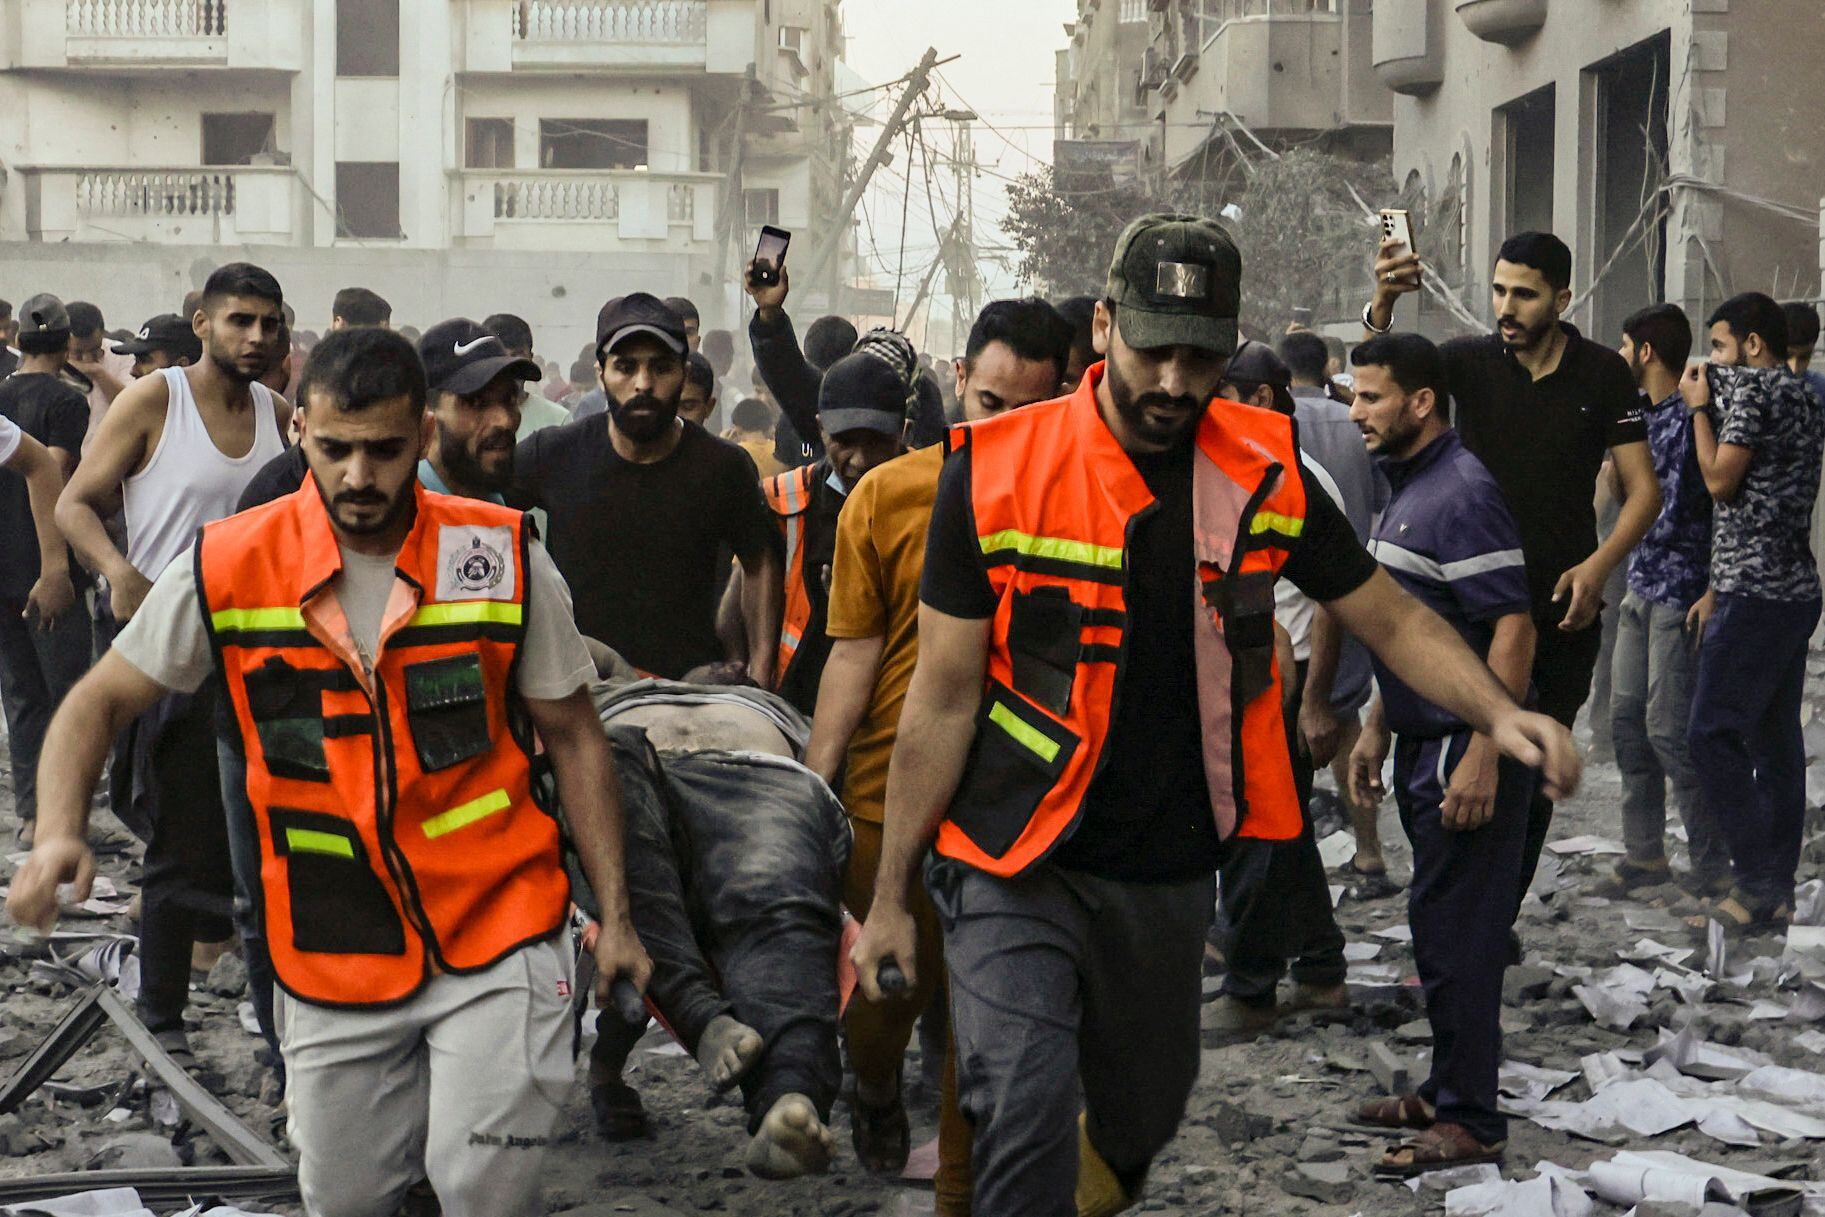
(1811, 1041)
(1585, 845)
(1545, 1196)
(1530, 1082)
(1369, 975)
(1337, 848)
(111, 1202)
(1809, 903)
(1632, 1177)
(1687, 1050)
(1650, 921)
(1717, 950)
(1603, 1069)
(1337, 890)
(1454, 1177)
(1394, 933)
(1806, 939)
(1690, 987)
(1767, 1012)
(1795, 1087)
(1646, 950)
(1360, 952)
(1612, 1008)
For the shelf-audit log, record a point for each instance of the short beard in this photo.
(1133, 411)
(226, 365)
(643, 431)
(395, 511)
(1532, 338)
(464, 468)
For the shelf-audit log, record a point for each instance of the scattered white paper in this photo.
(1611, 1008)
(1632, 1177)
(1530, 1082)
(1337, 848)
(1811, 1041)
(110, 1202)
(1394, 933)
(1805, 939)
(1646, 950)
(1767, 1012)
(1360, 952)
(1337, 891)
(1543, 1196)
(1585, 845)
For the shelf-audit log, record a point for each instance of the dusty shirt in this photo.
(168, 642)
(874, 591)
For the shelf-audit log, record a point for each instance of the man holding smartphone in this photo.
(1539, 404)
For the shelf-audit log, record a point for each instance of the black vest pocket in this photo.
(1016, 758)
(1045, 628)
(287, 708)
(1245, 603)
(447, 706)
(338, 906)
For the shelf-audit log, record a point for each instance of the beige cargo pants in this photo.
(462, 1084)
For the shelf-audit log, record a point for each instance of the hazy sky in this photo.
(1005, 75)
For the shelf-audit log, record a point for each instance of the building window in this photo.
(367, 199)
(235, 139)
(592, 143)
(1631, 169)
(367, 37)
(1528, 139)
(761, 205)
(489, 143)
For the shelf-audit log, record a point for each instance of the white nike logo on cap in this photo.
(463, 348)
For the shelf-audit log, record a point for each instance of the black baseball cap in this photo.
(1176, 280)
(43, 314)
(461, 357)
(638, 313)
(862, 392)
(1256, 363)
(166, 332)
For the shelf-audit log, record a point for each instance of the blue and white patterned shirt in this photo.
(1672, 564)
(1761, 545)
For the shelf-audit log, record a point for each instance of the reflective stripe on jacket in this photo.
(398, 833)
(1055, 500)
(789, 495)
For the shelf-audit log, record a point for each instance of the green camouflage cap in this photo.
(1176, 280)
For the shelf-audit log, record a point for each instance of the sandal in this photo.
(1627, 876)
(1404, 1111)
(882, 1135)
(1368, 884)
(1437, 1148)
(1738, 919)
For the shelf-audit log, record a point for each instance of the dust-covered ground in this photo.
(1266, 1130)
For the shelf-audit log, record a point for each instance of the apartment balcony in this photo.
(154, 35)
(1505, 21)
(589, 209)
(626, 36)
(175, 205)
(1408, 46)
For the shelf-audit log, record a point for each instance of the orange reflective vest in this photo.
(398, 833)
(789, 495)
(1055, 500)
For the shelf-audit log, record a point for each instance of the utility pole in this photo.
(828, 242)
(961, 271)
(931, 272)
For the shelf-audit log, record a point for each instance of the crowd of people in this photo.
(800, 706)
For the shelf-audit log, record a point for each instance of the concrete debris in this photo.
(228, 978)
(1325, 1182)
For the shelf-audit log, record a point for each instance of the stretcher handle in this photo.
(627, 1002)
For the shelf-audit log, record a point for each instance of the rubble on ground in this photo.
(1650, 1070)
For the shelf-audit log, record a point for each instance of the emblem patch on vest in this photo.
(474, 562)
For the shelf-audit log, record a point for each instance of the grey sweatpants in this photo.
(462, 1084)
(1059, 978)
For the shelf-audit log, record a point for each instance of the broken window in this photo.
(367, 37)
(1529, 131)
(1630, 212)
(235, 139)
(489, 143)
(592, 143)
(367, 199)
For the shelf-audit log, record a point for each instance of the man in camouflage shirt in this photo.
(1761, 458)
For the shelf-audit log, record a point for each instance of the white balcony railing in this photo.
(146, 18)
(626, 205)
(183, 205)
(641, 22)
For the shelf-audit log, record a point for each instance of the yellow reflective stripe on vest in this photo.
(1007, 720)
(1081, 552)
(469, 612)
(310, 841)
(467, 814)
(249, 620)
(1270, 521)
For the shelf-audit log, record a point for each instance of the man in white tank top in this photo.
(175, 451)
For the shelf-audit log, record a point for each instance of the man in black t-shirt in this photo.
(1539, 405)
(39, 660)
(1074, 924)
(640, 502)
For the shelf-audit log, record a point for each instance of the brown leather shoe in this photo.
(1230, 1020)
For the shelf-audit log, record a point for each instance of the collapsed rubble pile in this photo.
(1650, 1069)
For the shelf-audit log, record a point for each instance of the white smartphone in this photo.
(1396, 226)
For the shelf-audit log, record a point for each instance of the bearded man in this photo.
(642, 506)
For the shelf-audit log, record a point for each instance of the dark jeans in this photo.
(1460, 949)
(37, 667)
(1069, 993)
(1275, 901)
(188, 892)
(734, 873)
(244, 856)
(1745, 738)
(1563, 665)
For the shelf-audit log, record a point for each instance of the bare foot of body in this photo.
(727, 1051)
(791, 1142)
